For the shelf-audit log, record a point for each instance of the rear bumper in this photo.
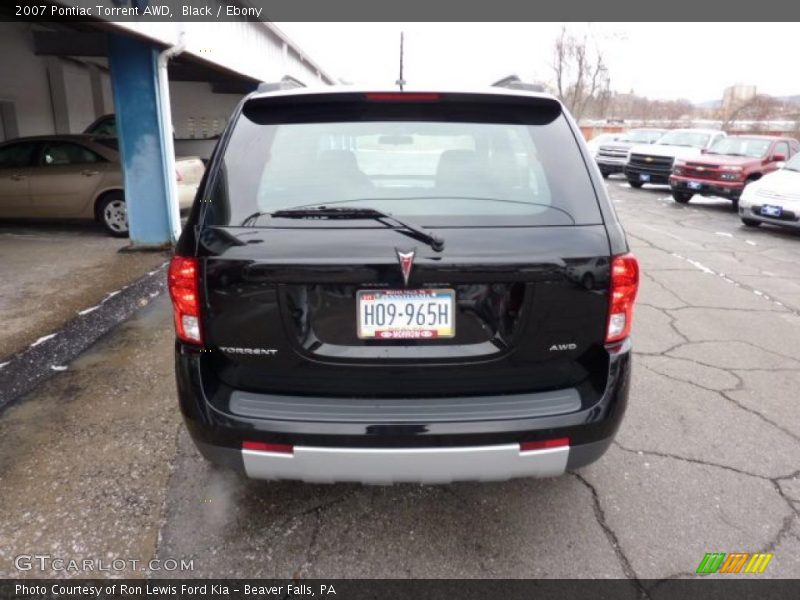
(752, 212)
(398, 465)
(428, 445)
(634, 173)
(610, 165)
(731, 190)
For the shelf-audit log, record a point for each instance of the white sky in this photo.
(659, 60)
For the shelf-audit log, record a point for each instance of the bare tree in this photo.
(757, 108)
(581, 75)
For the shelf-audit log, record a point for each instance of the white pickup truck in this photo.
(652, 163)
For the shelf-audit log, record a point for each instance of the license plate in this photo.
(771, 211)
(644, 177)
(406, 314)
(694, 185)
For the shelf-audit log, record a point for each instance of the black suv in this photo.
(385, 286)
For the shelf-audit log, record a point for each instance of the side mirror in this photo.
(703, 150)
(778, 158)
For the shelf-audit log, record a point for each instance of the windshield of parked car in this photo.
(734, 146)
(639, 136)
(105, 126)
(434, 172)
(691, 139)
(793, 164)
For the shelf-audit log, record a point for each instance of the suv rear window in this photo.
(464, 166)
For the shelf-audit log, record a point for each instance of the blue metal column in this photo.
(141, 132)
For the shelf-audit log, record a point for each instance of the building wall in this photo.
(28, 81)
(55, 95)
(80, 103)
(23, 80)
(255, 49)
(197, 112)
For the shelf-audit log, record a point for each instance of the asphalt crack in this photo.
(687, 459)
(785, 529)
(611, 536)
(725, 395)
(791, 309)
(317, 510)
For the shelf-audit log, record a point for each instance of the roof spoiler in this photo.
(515, 83)
(287, 82)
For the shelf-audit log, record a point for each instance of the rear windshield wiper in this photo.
(327, 212)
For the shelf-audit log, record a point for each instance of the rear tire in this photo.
(635, 184)
(112, 213)
(681, 197)
(751, 222)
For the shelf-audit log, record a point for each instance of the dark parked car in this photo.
(392, 286)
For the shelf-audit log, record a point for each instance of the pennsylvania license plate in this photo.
(644, 177)
(406, 314)
(771, 211)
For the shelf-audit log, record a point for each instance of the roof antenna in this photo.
(401, 82)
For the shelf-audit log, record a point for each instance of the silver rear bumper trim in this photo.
(395, 465)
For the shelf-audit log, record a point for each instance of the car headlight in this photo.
(731, 173)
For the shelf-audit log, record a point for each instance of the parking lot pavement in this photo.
(52, 271)
(707, 460)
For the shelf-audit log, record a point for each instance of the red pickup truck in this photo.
(729, 165)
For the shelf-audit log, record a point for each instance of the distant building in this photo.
(736, 95)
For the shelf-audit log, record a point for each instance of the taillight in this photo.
(403, 96)
(544, 444)
(265, 447)
(624, 285)
(183, 289)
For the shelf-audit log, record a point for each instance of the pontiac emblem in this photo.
(406, 260)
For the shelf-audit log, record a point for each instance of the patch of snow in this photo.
(58, 367)
(86, 311)
(43, 339)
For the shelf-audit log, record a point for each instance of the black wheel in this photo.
(635, 184)
(113, 214)
(682, 197)
(735, 204)
(751, 222)
(604, 174)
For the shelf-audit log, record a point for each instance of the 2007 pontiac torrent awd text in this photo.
(402, 286)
